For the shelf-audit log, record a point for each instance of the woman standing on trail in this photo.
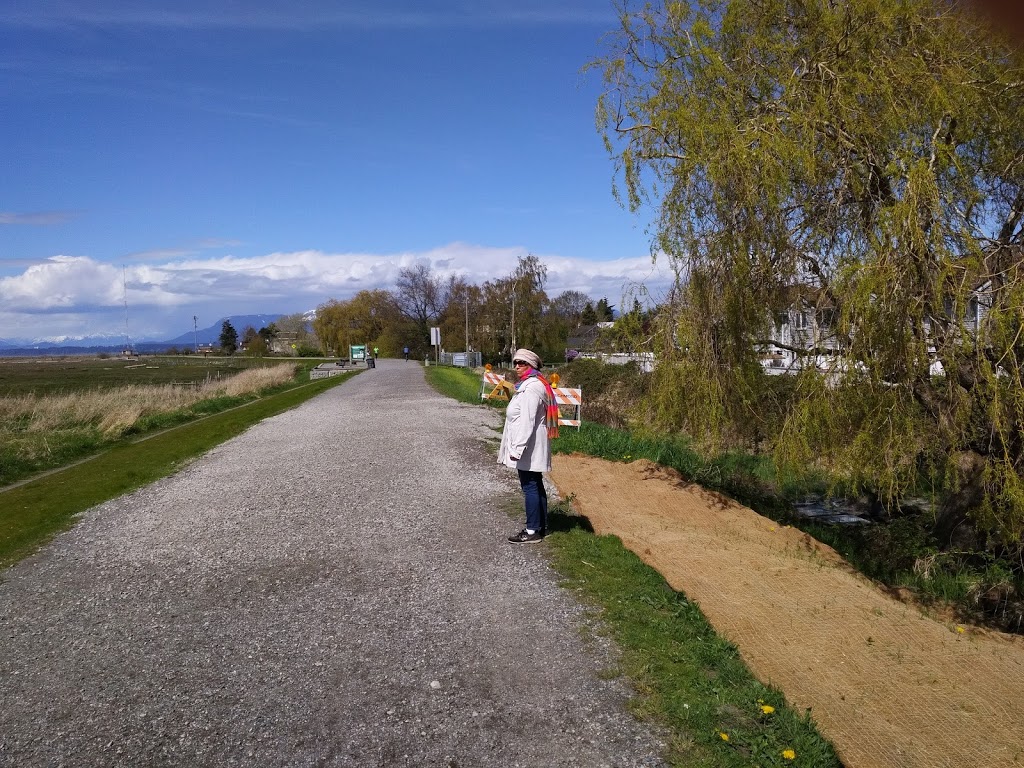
(531, 420)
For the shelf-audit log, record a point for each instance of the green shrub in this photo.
(598, 378)
(612, 394)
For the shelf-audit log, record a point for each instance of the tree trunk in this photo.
(953, 526)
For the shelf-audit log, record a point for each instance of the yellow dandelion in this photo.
(960, 630)
(788, 754)
(723, 736)
(767, 708)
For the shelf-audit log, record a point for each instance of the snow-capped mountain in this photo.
(201, 336)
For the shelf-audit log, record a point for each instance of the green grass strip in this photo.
(32, 513)
(750, 480)
(689, 679)
(462, 384)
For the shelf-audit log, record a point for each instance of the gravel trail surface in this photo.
(330, 588)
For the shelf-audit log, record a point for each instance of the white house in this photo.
(804, 327)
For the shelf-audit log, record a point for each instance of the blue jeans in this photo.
(536, 500)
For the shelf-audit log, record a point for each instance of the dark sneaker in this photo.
(526, 538)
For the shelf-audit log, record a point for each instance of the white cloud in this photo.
(65, 293)
(62, 282)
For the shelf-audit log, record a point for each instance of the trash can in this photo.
(370, 362)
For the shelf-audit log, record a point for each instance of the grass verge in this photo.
(688, 678)
(902, 553)
(462, 384)
(751, 480)
(32, 513)
(748, 479)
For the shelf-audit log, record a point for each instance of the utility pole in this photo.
(195, 333)
(124, 293)
(467, 322)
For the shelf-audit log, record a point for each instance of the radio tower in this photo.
(124, 289)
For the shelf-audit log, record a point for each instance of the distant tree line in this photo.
(494, 318)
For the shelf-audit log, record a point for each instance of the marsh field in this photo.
(56, 410)
(65, 375)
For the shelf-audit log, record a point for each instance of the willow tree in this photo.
(369, 317)
(863, 158)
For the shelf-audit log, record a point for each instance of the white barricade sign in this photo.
(490, 386)
(569, 399)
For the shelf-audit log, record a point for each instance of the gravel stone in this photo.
(331, 588)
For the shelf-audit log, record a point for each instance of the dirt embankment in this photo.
(889, 685)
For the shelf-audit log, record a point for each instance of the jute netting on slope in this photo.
(887, 684)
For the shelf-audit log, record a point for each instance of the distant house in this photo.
(979, 303)
(284, 343)
(584, 340)
(586, 343)
(805, 334)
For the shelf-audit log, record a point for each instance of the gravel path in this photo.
(330, 588)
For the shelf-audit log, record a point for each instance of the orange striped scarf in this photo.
(552, 409)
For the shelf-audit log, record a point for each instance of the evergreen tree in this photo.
(268, 333)
(605, 311)
(228, 337)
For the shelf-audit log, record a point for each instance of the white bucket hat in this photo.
(527, 357)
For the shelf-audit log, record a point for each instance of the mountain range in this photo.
(116, 343)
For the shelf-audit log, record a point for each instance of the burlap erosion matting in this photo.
(887, 684)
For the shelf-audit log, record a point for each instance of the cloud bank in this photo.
(36, 218)
(76, 295)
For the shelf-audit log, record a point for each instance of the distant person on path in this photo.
(375, 352)
(531, 420)
(405, 351)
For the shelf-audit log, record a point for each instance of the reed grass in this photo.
(42, 431)
(114, 410)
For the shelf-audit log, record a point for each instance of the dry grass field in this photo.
(75, 373)
(52, 412)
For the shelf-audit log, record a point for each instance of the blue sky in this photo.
(257, 157)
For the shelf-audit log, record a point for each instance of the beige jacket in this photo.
(525, 436)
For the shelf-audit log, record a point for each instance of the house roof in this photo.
(583, 337)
